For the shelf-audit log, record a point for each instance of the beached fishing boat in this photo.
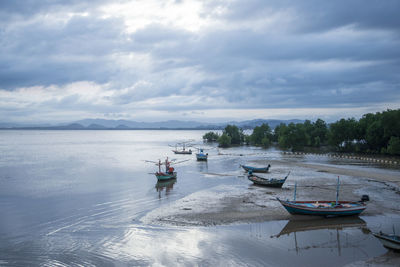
(388, 241)
(271, 182)
(169, 172)
(201, 156)
(255, 169)
(324, 208)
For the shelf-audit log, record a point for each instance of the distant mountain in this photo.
(143, 125)
(96, 126)
(176, 124)
(102, 124)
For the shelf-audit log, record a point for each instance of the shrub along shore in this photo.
(377, 133)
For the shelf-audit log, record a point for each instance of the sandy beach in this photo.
(250, 203)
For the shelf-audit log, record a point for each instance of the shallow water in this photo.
(70, 198)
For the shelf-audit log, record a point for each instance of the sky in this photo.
(211, 61)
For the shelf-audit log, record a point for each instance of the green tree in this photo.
(247, 139)
(393, 147)
(224, 140)
(319, 132)
(374, 136)
(233, 132)
(343, 133)
(376, 130)
(292, 136)
(211, 136)
(308, 129)
(262, 135)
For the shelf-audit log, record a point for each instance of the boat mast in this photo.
(295, 188)
(166, 165)
(337, 191)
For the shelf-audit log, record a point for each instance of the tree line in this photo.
(373, 133)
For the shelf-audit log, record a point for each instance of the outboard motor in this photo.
(364, 198)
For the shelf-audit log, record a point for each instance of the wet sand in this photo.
(250, 203)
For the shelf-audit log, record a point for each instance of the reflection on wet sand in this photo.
(332, 229)
(339, 223)
(167, 185)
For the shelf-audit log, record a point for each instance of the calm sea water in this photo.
(75, 198)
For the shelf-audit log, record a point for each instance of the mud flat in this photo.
(248, 203)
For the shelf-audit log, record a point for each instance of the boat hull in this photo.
(323, 208)
(201, 157)
(266, 182)
(255, 169)
(165, 176)
(388, 241)
(185, 152)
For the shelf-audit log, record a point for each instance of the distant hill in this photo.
(176, 124)
(102, 124)
(144, 125)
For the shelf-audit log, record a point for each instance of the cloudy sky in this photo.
(64, 60)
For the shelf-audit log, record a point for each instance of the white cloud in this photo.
(197, 59)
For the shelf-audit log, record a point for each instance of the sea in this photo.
(77, 198)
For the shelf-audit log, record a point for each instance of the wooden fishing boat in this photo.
(388, 241)
(271, 182)
(201, 156)
(161, 176)
(324, 208)
(169, 172)
(255, 169)
(183, 151)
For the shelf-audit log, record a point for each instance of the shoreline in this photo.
(250, 203)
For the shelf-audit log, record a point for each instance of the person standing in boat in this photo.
(168, 167)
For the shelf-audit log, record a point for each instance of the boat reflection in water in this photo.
(337, 223)
(202, 166)
(168, 185)
(324, 233)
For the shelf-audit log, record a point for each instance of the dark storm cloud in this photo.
(27, 8)
(58, 53)
(253, 54)
(249, 64)
(315, 15)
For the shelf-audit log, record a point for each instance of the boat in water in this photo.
(270, 182)
(201, 156)
(183, 151)
(256, 169)
(389, 241)
(324, 208)
(169, 172)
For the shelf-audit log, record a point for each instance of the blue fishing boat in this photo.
(271, 182)
(324, 208)
(255, 169)
(389, 241)
(201, 156)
